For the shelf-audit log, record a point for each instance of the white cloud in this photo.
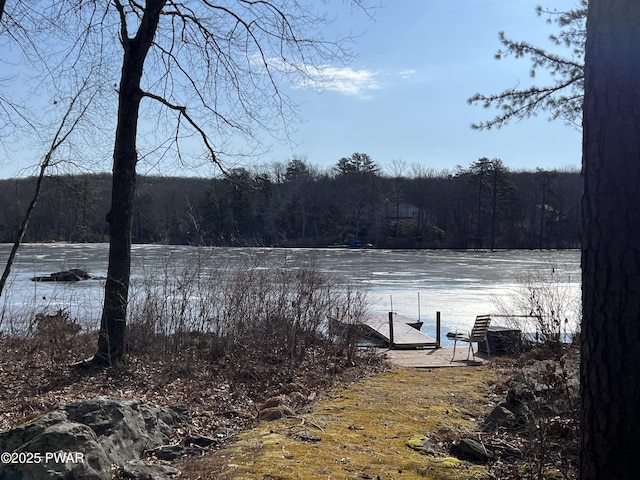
(343, 80)
(404, 74)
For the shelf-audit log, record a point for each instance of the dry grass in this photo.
(221, 397)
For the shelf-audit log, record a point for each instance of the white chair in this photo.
(478, 334)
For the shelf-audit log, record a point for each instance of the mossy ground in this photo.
(363, 431)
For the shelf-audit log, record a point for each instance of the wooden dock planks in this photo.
(404, 336)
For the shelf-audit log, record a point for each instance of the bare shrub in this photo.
(264, 308)
(55, 333)
(546, 298)
(13, 323)
(544, 391)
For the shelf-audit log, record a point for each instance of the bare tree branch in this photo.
(182, 112)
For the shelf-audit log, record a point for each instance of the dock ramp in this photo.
(404, 335)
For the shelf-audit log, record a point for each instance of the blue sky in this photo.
(404, 96)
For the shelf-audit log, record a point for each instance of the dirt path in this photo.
(365, 430)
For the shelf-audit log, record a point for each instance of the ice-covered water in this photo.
(459, 284)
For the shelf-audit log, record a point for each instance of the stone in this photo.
(423, 445)
(167, 452)
(505, 450)
(500, 417)
(72, 275)
(292, 387)
(517, 402)
(274, 413)
(60, 437)
(471, 450)
(139, 470)
(200, 440)
(100, 432)
(281, 406)
(271, 402)
(11, 440)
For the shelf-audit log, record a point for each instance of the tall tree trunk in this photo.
(494, 206)
(479, 226)
(610, 356)
(543, 209)
(111, 340)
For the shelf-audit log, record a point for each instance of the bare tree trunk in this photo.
(24, 224)
(610, 355)
(59, 138)
(543, 209)
(111, 340)
(494, 205)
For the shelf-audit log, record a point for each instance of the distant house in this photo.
(401, 212)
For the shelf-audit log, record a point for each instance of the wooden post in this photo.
(437, 329)
(390, 330)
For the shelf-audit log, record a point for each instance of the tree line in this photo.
(356, 203)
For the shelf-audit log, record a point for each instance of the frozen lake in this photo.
(459, 284)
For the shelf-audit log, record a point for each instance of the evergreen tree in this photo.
(562, 99)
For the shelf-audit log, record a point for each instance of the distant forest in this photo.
(294, 204)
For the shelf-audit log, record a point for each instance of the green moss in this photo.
(418, 444)
(553, 474)
(377, 427)
(449, 462)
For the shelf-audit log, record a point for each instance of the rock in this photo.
(281, 406)
(91, 464)
(292, 387)
(423, 445)
(125, 427)
(11, 440)
(200, 440)
(505, 450)
(517, 402)
(167, 452)
(99, 432)
(274, 413)
(139, 470)
(271, 402)
(500, 417)
(471, 450)
(307, 437)
(72, 275)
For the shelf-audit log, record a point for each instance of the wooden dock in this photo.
(431, 358)
(404, 336)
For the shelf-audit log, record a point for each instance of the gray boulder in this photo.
(472, 450)
(85, 438)
(500, 417)
(34, 459)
